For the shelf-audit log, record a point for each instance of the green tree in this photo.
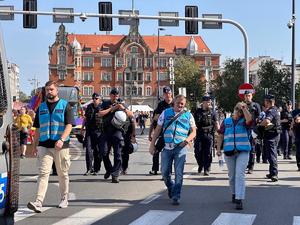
(225, 87)
(277, 81)
(187, 74)
(23, 97)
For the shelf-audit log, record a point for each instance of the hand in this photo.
(34, 151)
(152, 149)
(115, 107)
(219, 153)
(183, 144)
(150, 138)
(59, 144)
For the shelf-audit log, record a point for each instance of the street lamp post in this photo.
(292, 24)
(158, 63)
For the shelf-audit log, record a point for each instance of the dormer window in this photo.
(134, 49)
(161, 50)
(87, 49)
(105, 49)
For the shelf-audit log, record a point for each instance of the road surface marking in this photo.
(149, 199)
(187, 175)
(23, 213)
(87, 216)
(234, 219)
(32, 178)
(72, 195)
(157, 217)
(296, 220)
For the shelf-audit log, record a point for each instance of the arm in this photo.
(36, 138)
(191, 136)
(247, 114)
(155, 136)
(59, 144)
(153, 124)
(219, 143)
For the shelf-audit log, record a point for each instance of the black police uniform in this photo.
(129, 137)
(296, 129)
(286, 137)
(205, 122)
(111, 138)
(271, 137)
(159, 109)
(94, 129)
(255, 109)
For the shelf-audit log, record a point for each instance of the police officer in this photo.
(255, 110)
(166, 103)
(272, 130)
(112, 135)
(286, 119)
(206, 123)
(93, 129)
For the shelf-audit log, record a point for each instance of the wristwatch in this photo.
(61, 139)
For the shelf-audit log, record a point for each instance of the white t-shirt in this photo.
(160, 122)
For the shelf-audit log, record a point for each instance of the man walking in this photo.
(53, 123)
(179, 130)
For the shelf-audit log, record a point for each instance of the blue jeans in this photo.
(178, 155)
(237, 165)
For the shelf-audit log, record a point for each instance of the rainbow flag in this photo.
(35, 101)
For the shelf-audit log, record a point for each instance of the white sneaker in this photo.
(64, 202)
(35, 206)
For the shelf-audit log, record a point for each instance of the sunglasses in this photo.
(95, 98)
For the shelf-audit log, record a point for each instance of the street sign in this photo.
(166, 22)
(245, 87)
(6, 16)
(172, 81)
(212, 25)
(63, 19)
(182, 91)
(128, 21)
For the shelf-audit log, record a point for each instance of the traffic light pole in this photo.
(84, 16)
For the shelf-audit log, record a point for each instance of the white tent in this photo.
(141, 108)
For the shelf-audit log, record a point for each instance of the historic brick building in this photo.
(96, 63)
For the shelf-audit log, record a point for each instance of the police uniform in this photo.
(94, 129)
(255, 110)
(271, 137)
(205, 122)
(286, 137)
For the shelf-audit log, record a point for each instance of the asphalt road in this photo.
(141, 199)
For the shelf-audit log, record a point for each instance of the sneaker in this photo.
(239, 204)
(298, 169)
(35, 206)
(95, 173)
(199, 169)
(175, 201)
(206, 173)
(106, 175)
(153, 172)
(250, 171)
(289, 157)
(170, 193)
(115, 179)
(87, 173)
(268, 176)
(274, 178)
(124, 172)
(22, 156)
(64, 202)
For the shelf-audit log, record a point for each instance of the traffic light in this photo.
(105, 24)
(191, 27)
(30, 21)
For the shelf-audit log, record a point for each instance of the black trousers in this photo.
(297, 143)
(202, 149)
(251, 154)
(92, 156)
(271, 151)
(155, 161)
(286, 142)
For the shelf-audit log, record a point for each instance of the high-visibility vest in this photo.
(52, 125)
(236, 136)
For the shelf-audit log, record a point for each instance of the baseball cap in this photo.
(95, 95)
(289, 102)
(167, 89)
(206, 98)
(114, 91)
(269, 97)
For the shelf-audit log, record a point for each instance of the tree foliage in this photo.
(225, 87)
(187, 74)
(277, 81)
(23, 97)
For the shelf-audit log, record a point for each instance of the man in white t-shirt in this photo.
(177, 136)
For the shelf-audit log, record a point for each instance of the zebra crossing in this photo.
(94, 215)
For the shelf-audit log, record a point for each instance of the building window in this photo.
(88, 76)
(88, 61)
(87, 49)
(148, 62)
(77, 75)
(140, 91)
(61, 75)
(77, 62)
(62, 59)
(163, 76)
(134, 49)
(106, 76)
(140, 76)
(134, 91)
(148, 76)
(120, 62)
(105, 91)
(119, 76)
(106, 62)
(140, 63)
(120, 89)
(128, 61)
(148, 91)
(207, 61)
(163, 62)
(161, 50)
(105, 49)
(88, 91)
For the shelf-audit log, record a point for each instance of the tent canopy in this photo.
(141, 108)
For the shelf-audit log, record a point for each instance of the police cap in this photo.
(269, 97)
(114, 91)
(95, 95)
(289, 102)
(206, 98)
(167, 89)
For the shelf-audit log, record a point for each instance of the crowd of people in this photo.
(109, 128)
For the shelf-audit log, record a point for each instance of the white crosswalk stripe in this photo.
(234, 219)
(296, 220)
(86, 216)
(23, 213)
(157, 217)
